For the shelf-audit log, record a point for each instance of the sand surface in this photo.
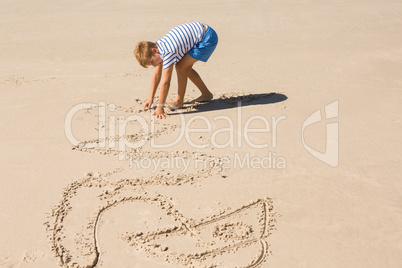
(318, 186)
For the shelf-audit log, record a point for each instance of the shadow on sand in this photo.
(227, 101)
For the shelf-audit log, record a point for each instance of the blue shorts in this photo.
(204, 49)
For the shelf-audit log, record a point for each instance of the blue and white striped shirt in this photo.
(179, 41)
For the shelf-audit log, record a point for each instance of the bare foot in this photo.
(175, 104)
(203, 98)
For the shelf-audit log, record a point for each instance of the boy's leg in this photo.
(206, 95)
(182, 69)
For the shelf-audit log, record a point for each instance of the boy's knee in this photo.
(180, 67)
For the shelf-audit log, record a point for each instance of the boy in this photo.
(183, 46)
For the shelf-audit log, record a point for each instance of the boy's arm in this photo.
(156, 78)
(167, 76)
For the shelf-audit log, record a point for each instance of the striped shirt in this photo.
(179, 41)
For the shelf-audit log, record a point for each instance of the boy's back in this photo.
(178, 41)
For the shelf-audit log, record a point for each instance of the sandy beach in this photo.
(296, 162)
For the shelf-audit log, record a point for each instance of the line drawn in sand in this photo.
(221, 239)
(212, 236)
(208, 242)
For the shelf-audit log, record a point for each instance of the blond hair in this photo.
(143, 52)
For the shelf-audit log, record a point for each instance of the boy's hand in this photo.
(160, 112)
(148, 104)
